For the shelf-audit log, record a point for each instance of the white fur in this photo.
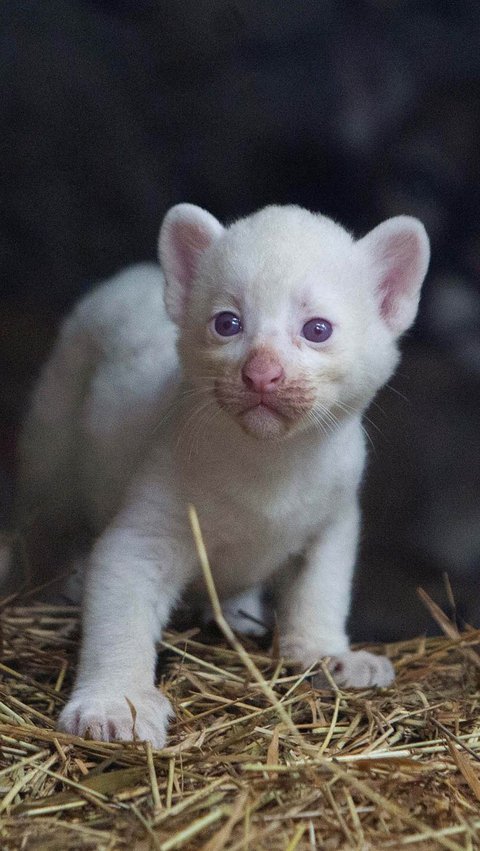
(119, 434)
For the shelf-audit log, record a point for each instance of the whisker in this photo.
(398, 393)
(375, 404)
(167, 413)
(183, 393)
(207, 418)
(209, 413)
(351, 410)
(194, 414)
(365, 418)
(317, 418)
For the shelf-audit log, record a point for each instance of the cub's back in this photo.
(98, 398)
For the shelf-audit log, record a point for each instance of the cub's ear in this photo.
(399, 251)
(185, 234)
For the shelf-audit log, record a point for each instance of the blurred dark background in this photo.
(113, 111)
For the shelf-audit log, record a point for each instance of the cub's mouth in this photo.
(264, 415)
(263, 420)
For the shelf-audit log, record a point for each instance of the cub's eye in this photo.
(227, 324)
(317, 330)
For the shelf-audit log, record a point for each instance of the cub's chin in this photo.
(263, 423)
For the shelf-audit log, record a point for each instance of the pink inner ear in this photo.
(400, 261)
(188, 240)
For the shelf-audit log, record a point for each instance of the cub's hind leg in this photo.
(246, 612)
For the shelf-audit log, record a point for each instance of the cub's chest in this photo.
(247, 548)
(293, 496)
(275, 504)
(279, 521)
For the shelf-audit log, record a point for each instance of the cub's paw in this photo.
(107, 717)
(360, 669)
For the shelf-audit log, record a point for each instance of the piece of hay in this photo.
(362, 769)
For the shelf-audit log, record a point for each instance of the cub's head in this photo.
(286, 322)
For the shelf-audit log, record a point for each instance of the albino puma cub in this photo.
(285, 327)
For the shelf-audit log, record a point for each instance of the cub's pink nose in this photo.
(262, 372)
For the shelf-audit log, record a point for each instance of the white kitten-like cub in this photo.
(285, 327)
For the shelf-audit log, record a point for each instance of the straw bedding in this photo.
(257, 758)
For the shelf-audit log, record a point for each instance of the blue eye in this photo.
(227, 324)
(317, 330)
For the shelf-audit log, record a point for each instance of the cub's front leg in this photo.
(314, 603)
(133, 580)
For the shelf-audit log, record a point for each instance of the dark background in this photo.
(113, 111)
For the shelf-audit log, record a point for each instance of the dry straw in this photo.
(257, 759)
